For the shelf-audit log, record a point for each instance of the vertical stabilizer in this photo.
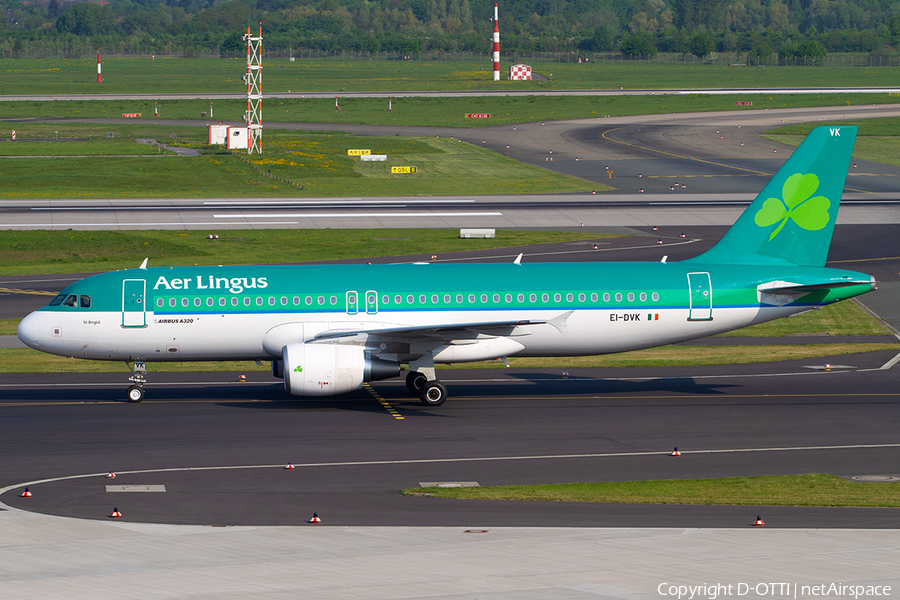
(792, 219)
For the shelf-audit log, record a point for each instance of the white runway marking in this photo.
(358, 215)
(416, 461)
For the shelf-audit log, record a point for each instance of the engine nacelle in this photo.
(329, 369)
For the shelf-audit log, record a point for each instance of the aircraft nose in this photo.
(29, 331)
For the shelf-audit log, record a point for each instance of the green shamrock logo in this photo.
(298, 369)
(797, 205)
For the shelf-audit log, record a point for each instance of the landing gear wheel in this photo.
(135, 394)
(433, 394)
(415, 381)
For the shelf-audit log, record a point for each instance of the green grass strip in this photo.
(42, 251)
(788, 490)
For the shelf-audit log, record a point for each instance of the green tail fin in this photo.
(792, 219)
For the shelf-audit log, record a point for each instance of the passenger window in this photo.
(655, 297)
(581, 297)
(196, 301)
(296, 300)
(271, 301)
(533, 297)
(171, 301)
(484, 298)
(643, 297)
(606, 297)
(321, 300)
(521, 297)
(70, 301)
(209, 301)
(284, 301)
(459, 298)
(333, 300)
(398, 299)
(593, 297)
(160, 302)
(234, 301)
(618, 297)
(184, 301)
(496, 298)
(85, 301)
(508, 297)
(545, 297)
(630, 297)
(422, 299)
(557, 297)
(569, 297)
(221, 301)
(258, 301)
(247, 301)
(309, 300)
(472, 298)
(385, 299)
(410, 299)
(434, 299)
(446, 298)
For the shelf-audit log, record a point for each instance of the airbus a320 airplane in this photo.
(328, 329)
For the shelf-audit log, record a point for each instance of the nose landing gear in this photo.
(135, 392)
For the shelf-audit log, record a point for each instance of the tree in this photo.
(702, 45)
(85, 19)
(760, 53)
(637, 44)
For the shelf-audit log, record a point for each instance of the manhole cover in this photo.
(876, 478)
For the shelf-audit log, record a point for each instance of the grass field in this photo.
(789, 490)
(42, 251)
(311, 164)
(173, 75)
(437, 112)
(878, 139)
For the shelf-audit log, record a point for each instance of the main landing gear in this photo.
(135, 393)
(430, 392)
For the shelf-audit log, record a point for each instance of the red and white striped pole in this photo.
(99, 78)
(496, 46)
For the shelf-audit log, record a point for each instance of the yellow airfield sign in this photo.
(359, 152)
(403, 169)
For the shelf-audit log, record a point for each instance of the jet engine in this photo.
(329, 369)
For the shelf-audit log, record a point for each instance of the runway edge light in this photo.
(25, 494)
(110, 475)
(289, 467)
(675, 452)
(115, 514)
(758, 522)
(315, 518)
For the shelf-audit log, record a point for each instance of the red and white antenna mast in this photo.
(496, 46)
(99, 77)
(253, 116)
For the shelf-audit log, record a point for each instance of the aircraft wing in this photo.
(439, 330)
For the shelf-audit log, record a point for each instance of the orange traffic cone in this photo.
(110, 475)
(289, 467)
(315, 518)
(675, 452)
(115, 514)
(25, 494)
(758, 522)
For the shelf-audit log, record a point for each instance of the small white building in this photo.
(237, 138)
(520, 73)
(217, 134)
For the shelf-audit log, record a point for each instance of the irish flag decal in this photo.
(653, 317)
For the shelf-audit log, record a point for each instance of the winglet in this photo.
(518, 260)
(144, 264)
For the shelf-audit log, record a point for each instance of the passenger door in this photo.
(133, 304)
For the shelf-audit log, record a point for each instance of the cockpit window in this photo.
(71, 300)
(58, 300)
(85, 301)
